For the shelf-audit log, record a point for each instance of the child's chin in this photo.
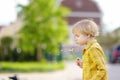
(76, 42)
(81, 44)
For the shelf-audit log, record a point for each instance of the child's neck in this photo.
(89, 40)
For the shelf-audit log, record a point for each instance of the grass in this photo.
(30, 66)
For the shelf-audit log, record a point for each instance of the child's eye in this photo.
(77, 35)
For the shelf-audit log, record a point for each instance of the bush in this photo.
(30, 66)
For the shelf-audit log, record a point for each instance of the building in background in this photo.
(82, 9)
(12, 29)
(1, 27)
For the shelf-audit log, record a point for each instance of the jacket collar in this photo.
(89, 45)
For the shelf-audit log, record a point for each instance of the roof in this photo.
(81, 5)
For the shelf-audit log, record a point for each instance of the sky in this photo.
(111, 13)
(109, 8)
(8, 10)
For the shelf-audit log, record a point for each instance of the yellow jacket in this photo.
(94, 64)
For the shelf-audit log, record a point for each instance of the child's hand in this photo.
(79, 62)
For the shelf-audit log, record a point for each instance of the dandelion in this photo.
(72, 52)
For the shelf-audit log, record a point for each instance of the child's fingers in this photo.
(78, 59)
(78, 63)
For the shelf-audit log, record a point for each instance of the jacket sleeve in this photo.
(99, 60)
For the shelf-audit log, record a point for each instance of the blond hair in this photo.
(86, 27)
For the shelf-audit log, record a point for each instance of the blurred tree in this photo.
(44, 27)
(109, 40)
(6, 43)
(116, 33)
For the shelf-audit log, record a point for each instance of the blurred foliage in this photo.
(110, 39)
(30, 66)
(44, 27)
(5, 48)
(8, 52)
(6, 41)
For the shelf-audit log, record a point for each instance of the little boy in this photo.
(93, 59)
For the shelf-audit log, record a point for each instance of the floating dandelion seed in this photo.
(71, 52)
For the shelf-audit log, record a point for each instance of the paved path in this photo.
(71, 72)
(114, 71)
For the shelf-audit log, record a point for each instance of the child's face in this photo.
(80, 39)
